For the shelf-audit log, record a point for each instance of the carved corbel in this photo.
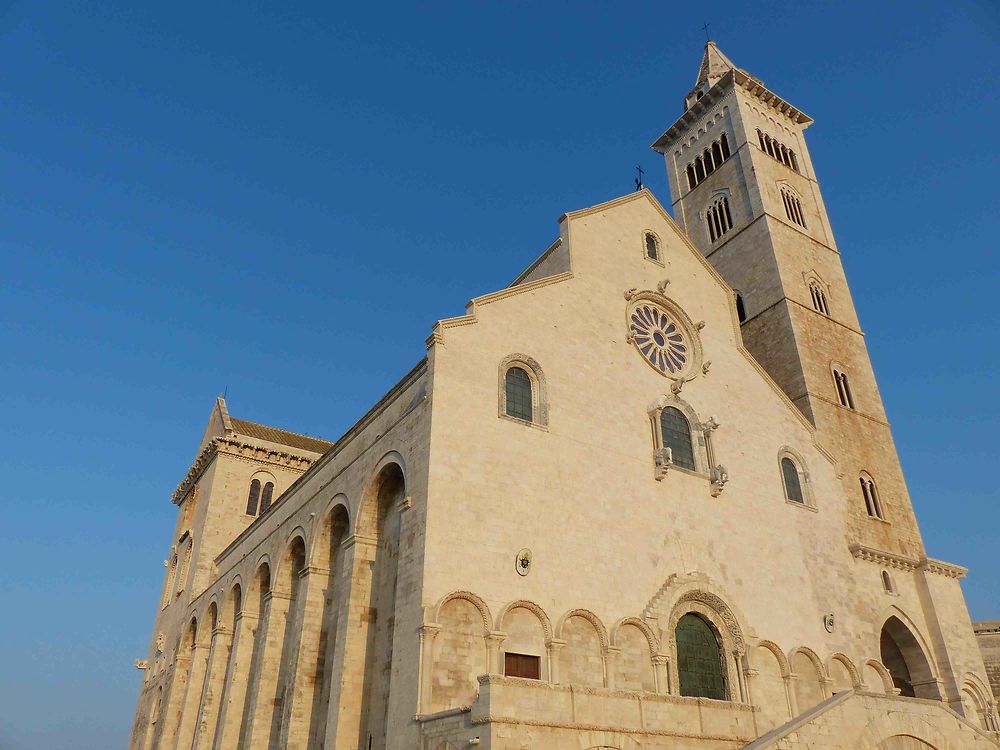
(705, 367)
(700, 324)
(719, 479)
(662, 286)
(675, 387)
(664, 459)
(142, 664)
(630, 293)
(711, 425)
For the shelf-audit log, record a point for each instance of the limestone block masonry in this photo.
(645, 497)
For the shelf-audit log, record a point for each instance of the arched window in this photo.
(265, 497)
(793, 207)
(168, 588)
(872, 503)
(699, 659)
(741, 310)
(185, 565)
(253, 497)
(790, 476)
(518, 386)
(692, 180)
(717, 153)
(521, 391)
(699, 169)
(818, 297)
(718, 218)
(652, 246)
(676, 433)
(709, 162)
(760, 137)
(843, 389)
(724, 143)
(887, 583)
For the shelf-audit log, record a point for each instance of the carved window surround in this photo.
(701, 433)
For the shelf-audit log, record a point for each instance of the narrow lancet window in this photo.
(790, 474)
(253, 497)
(265, 497)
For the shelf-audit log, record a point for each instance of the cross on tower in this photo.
(705, 29)
(638, 180)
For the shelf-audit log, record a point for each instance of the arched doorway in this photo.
(907, 664)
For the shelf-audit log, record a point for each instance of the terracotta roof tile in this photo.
(283, 437)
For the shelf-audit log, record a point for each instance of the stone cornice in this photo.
(891, 560)
(942, 568)
(231, 446)
(737, 79)
(881, 557)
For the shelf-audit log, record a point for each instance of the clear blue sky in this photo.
(201, 196)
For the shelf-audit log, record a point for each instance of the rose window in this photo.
(659, 339)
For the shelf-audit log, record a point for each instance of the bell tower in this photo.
(744, 190)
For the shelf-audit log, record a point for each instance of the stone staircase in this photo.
(854, 720)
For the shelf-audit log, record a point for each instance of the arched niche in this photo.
(768, 685)
(809, 682)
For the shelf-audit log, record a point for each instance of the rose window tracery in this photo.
(659, 339)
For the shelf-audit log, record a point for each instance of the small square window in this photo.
(522, 665)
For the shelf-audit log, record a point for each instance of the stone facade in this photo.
(507, 550)
(988, 635)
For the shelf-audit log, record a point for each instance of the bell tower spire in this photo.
(744, 189)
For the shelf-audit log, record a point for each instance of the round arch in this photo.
(531, 607)
(386, 480)
(651, 639)
(479, 604)
(586, 614)
(330, 531)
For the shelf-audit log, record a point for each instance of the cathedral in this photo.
(644, 497)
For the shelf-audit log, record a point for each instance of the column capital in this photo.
(555, 643)
(496, 636)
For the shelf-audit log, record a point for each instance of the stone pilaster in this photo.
(234, 689)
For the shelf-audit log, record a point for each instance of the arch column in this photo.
(218, 659)
(494, 640)
(611, 656)
(741, 679)
(428, 632)
(660, 673)
(260, 694)
(192, 697)
(552, 649)
(793, 702)
(234, 689)
(748, 674)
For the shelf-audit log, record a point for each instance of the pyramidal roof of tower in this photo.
(714, 65)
